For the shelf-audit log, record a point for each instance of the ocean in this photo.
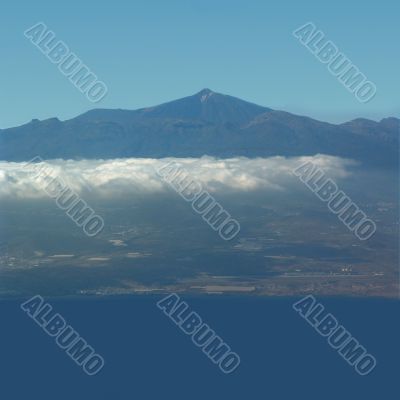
(148, 357)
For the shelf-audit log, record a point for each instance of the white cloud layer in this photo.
(109, 178)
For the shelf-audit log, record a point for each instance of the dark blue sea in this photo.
(148, 357)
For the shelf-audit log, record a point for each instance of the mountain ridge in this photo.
(206, 123)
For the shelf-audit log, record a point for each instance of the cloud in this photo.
(111, 178)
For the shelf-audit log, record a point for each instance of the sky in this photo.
(149, 52)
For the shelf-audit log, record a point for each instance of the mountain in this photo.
(205, 123)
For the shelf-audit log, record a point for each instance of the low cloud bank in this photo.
(112, 178)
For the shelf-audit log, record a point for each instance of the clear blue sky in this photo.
(148, 52)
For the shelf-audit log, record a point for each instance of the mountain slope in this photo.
(205, 123)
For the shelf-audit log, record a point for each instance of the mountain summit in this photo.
(204, 123)
(208, 106)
